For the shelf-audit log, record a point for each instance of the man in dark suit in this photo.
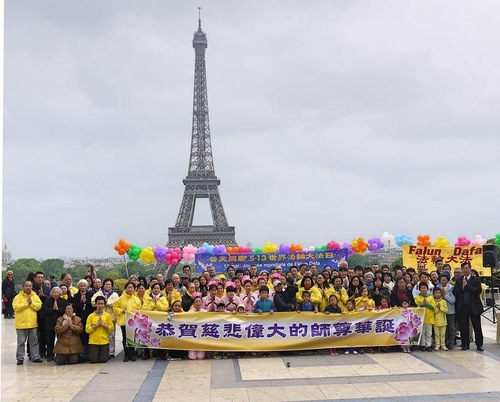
(468, 305)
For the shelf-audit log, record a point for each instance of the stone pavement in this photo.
(442, 376)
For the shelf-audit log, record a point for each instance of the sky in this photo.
(329, 120)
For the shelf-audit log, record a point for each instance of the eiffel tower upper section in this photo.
(201, 181)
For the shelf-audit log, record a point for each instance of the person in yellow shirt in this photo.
(341, 293)
(350, 309)
(25, 305)
(99, 325)
(440, 319)
(68, 281)
(427, 301)
(363, 302)
(307, 284)
(326, 291)
(155, 301)
(128, 301)
(170, 293)
(110, 296)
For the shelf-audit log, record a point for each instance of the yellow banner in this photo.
(454, 256)
(272, 332)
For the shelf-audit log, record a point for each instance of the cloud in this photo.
(329, 120)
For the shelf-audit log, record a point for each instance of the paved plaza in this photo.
(394, 376)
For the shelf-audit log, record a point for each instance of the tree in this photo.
(23, 267)
(397, 261)
(53, 266)
(358, 259)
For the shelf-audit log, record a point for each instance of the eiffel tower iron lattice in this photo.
(201, 181)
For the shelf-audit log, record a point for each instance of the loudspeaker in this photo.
(490, 255)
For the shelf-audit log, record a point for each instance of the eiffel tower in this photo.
(201, 181)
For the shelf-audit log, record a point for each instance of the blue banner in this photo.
(269, 260)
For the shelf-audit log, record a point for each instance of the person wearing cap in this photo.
(8, 294)
(369, 277)
(184, 283)
(280, 300)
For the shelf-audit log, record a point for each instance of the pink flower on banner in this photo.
(140, 322)
(415, 320)
(407, 329)
(155, 342)
(403, 333)
(142, 336)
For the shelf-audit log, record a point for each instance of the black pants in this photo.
(41, 336)
(463, 320)
(8, 310)
(50, 338)
(127, 350)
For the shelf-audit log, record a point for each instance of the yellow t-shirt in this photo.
(100, 335)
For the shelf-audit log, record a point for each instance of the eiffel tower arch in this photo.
(201, 181)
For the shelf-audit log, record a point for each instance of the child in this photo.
(364, 302)
(339, 291)
(406, 304)
(306, 304)
(99, 325)
(174, 355)
(334, 309)
(197, 308)
(221, 308)
(264, 304)
(241, 310)
(440, 320)
(384, 304)
(447, 294)
(349, 305)
(426, 301)
(248, 298)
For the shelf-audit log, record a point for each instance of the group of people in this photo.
(69, 324)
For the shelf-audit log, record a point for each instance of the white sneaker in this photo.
(354, 353)
(436, 348)
(444, 348)
(346, 352)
